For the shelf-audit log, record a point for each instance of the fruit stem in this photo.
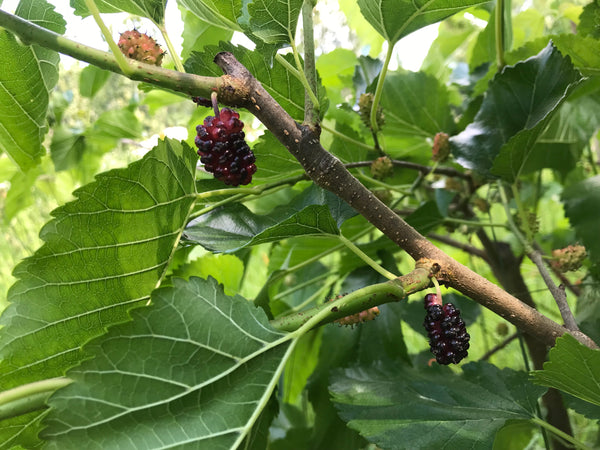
(119, 57)
(29, 397)
(438, 291)
(366, 258)
(215, 104)
(379, 89)
(174, 55)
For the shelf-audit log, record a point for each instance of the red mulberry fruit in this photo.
(141, 47)
(223, 149)
(448, 337)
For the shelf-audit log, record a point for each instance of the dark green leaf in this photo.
(274, 162)
(573, 368)
(283, 87)
(519, 103)
(152, 9)
(581, 202)
(394, 19)
(416, 108)
(589, 21)
(91, 80)
(426, 218)
(197, 367)
(397, 407)
(227, 229)
(274, 21)
(27, 75)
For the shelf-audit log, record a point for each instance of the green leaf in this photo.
(300, 365)
(275, 162)
(589, 21)
(371, 39)
(519, 104)
(198, 33)
(216, 12)
(573, 368)
(395, 406)
(228, 270)
(581, 202)
(196, 368)
(27, 75)
(394, 19)
(416, 107)
(274, 21)
(152, 9)
(426, 218)
(91, 80)
(103, 254)
(66, 148)
(227, 229)
(286, 89)
(19, 196)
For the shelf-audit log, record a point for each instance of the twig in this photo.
(311, 115)
(460, 245)
(499, 347)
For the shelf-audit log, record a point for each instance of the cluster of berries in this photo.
(448, 337)
(141, 47)
(223, 149)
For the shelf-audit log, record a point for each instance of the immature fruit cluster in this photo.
(360, 317)
(448, 337)
(141, 47)
(568, 258)
(223, 149)
(365, 103)
(441, 147)
(382, 167)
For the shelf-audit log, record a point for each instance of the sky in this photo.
(410, 51)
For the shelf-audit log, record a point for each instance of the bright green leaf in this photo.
(394, 19)
(395, 406)
(274, 21)
(66, 148)
(228, 270)
(519, 104)
(300, 365)
(372, 40)
(196, 368)
(27, 75)
(573, 368)
(152, 9)
(227, 229)
(216, 12)
(20, 195)
(91, 80)
(581, 202)
(198, 33)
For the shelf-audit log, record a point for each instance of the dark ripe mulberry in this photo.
(223, 149)
(448, 337)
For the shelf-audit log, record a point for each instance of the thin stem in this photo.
(379, 89)
(561, 434)
(522, 213)
(310, 109)
(119, 57)
(189, 84)
(470, 249)
(347, 139)
(174, 55)
(500, 346)
(312, 298)
(357, 301)
(300, 286)
(558, 292)
(29, 397)
(474, 223)
(366, 258)
(302, 75)
(500, 34)
(289, 67)
(382, 184)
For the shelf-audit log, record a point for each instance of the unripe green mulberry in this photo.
(365, 103)
(382, 167)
